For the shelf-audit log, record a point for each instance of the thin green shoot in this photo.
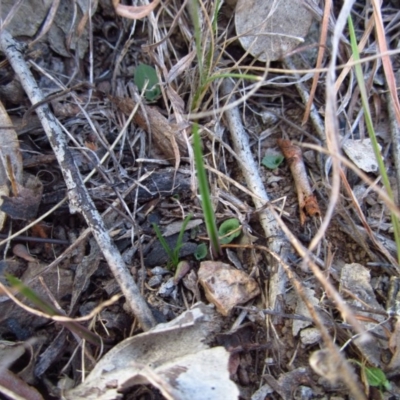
(51, 311)
(172, 254)
(206, 204)
(371, 131)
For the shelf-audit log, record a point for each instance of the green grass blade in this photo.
(371, 131)
(208, 210)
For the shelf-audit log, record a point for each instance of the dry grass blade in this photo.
(387, 64)
(14, 387)
(321, 52)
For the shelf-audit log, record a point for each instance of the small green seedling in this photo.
(229, 230)
(377, 378)
(201, 252)
(147, 74)
(373, 376)
(172, 254)
(272, 161)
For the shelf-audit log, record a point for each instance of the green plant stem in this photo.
(371, 132)
(208, 210)
(172, 254)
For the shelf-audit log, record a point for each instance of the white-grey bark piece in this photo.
(276, 241)
(78, 195)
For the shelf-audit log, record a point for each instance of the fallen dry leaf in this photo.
(173, 357)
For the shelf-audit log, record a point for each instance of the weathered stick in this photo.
(78, 195)
(276, 240)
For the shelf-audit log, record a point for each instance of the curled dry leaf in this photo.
(166, 135)
(173, 357)
(21, 251)
(10, 158)
(134, 12)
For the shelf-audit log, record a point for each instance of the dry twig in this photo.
(307, 201)
(78, 195)
(276, 241)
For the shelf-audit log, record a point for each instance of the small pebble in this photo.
(155, 281)
(167, 288)
(159, 271)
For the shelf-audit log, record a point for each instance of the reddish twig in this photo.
(307, 201)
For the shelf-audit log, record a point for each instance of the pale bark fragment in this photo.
(275, 238)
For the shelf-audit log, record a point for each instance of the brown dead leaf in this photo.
(165, 134)
(26, 203)
(21, 251)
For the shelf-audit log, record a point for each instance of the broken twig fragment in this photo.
(307, 201)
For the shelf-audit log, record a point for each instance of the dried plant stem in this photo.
(307, 201)
(276, 241)
(78, 195)
(304, 94)
(321, 52)
(344, 371)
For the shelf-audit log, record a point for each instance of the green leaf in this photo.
(272, 161)
(376, 377)
(228, 226)
(143, 74)
(201, 252)
(172, 254)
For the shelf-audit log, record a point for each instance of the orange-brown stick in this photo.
(307, 201)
